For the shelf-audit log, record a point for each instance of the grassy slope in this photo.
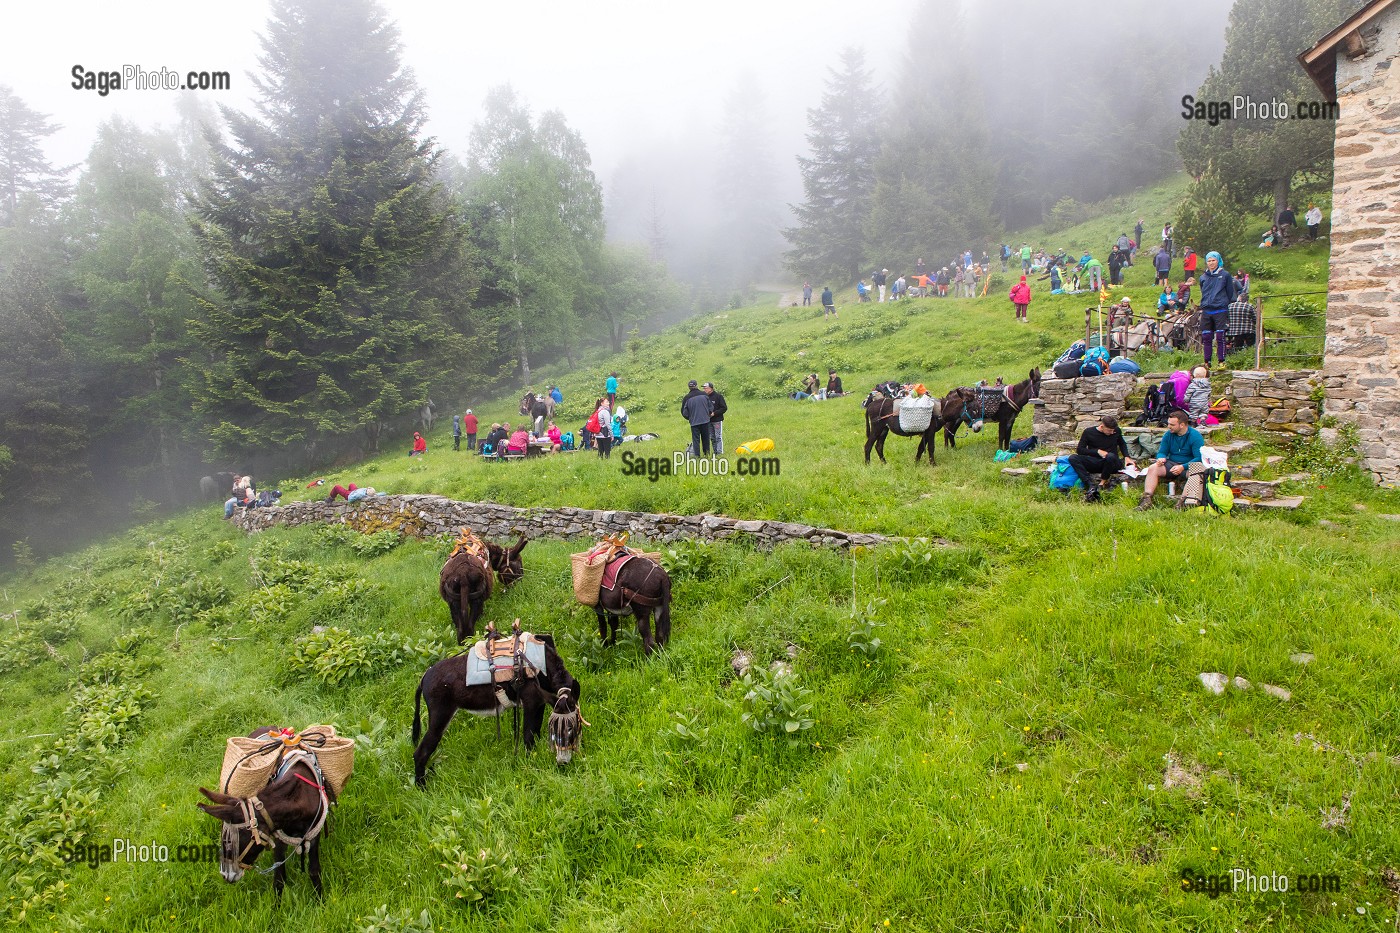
(1063, 638)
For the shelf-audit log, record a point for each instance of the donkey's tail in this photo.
(417, 720)
(663, 615)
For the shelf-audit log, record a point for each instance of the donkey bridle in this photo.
(254, 810)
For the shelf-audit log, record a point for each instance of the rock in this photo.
(1214, 682)
(1389, 518)
(741, 662)
(1279, 692)
(780, 668)
(1240, 683)
(318, 629)
(1022, 766)
(1302, 657)
(1330, 526)
(792, 651)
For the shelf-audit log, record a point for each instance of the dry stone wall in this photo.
(1071, 405)
(1276, 401)
(426, 516)
(1362, 356)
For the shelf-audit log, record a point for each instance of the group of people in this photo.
(244, 495)
(1102, 453)
(812, 387)
(703, 408)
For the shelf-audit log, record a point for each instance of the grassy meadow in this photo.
(1006, 734)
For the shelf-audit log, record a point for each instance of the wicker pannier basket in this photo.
(249, 763)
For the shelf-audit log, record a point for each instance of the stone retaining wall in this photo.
(1276, 401)
(428, 516)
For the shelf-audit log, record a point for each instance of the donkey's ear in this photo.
(224, 808)
(519, 546)
(217, 797)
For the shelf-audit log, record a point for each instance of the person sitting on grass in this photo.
(1101, 453)
(491, 446)
(556, 439)
(1178, 459)
(420, 446)
(243, 493)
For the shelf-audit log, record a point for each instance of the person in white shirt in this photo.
(1313, 218)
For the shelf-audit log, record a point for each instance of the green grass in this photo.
(997, 764)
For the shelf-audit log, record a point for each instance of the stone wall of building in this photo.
(1281, 400)
(1362, 356)
(428, 516)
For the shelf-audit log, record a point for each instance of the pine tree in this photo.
(24, 169)
(1208, 217)
(838, 178)
(336, 251)
(1259, 159)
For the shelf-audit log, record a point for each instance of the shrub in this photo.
(334, 656)
(1262, 269)
(474, 878)
(776, 704)
(689, 560)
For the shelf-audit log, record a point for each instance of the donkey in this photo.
(881, 420)
(444, 690)
(290, 811)
(465, 582)
(642, 586)
(537, 408)
(1004, 409)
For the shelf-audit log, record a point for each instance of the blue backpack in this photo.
(1062, 476)
(566, 441)
(1124, 365)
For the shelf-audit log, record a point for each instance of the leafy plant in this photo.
(1315, 456)
(690, 560)
(861, 636)
(383, 920)
(688, 728)
(1262, 269)
(473, 877)
(776, 704)
(334, 656)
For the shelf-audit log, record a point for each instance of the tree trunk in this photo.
(520, 342)
(1281, 189)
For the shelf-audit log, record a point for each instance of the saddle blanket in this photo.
(497, 664)
(610, 572)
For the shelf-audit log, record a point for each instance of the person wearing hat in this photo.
(469, 425)
(1020, 296)
(718, 406)
(695, 408)
(420, 446)
(1218, 290)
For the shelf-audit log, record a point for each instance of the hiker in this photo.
(1190, 262)
(1094, 270)
(1137, 236)
(863, 291)
(492, 444)
(469, 425)
(600, 427)
(1116, 258)
(1286, 221)
(811, 385)
(718, 406)
(829, 303)
(456, 432)
(519, 441)
(695, 409)
(1313, 218)
(351, 493)
(420, 446)
(1198, 395)
(242, 494)
(556, 439)
(806, 293)
(1178, 459)
(1025, 259)
(879, 279)
(1167, 237)
(1218, 290)
(1162, 262)
(1101, 453)
(1005, 255)
(556, 395)
(611, 390)
(833, 384)
(1020, 296)
(1241, 318)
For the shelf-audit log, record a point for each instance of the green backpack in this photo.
(1219, 498)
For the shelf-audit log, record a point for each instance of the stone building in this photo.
(1358, 66)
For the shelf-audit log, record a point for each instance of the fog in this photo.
(646, 84)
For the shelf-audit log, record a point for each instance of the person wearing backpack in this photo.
(1101, 453)
(1178, 459)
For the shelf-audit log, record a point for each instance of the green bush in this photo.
(334, 656)
(1261, 269)
(776, 704)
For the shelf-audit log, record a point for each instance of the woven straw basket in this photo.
(243, 777)
(588, 570)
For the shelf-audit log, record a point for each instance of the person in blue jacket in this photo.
(1178, 459)
(1218, 290)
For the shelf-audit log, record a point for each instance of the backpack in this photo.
(566, 440)
(1219, 497)
(1221, 409)
(1066, 369)
(1025, 444)
(1062, 476)
(1124, 365)
(1180, 379)
(1093, 367)
(592, 427)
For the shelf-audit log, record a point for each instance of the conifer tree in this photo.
(838, 178)
(335, 250)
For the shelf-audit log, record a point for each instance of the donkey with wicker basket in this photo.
(617, 580)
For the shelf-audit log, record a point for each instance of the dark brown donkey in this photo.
(881, 420)
(289, 813)
(1001, 405)
(444, 689)
(465, 582)
(642, 586)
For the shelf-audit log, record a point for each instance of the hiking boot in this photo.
(1145, 503)
(1091, 494)
(1185, 503)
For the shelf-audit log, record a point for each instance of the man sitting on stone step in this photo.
(1101, 453)
(1179, 461)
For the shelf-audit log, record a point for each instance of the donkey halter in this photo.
(254, 811)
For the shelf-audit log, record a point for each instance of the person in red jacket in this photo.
(1020, 296)
(1190, 263)
(469, 426)
(420, 446)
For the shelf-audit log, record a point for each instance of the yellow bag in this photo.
(762, 445)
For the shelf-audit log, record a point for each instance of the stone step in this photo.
(1257, 488)
(1015, 471)
(1286, 502)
